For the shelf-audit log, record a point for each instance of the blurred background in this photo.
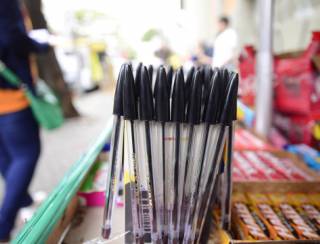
(277, 45)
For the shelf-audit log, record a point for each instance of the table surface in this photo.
(86, 227)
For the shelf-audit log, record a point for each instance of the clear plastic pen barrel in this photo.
(208, 165)
(130, 175)
(193, 172)
(184, 138)
(212, 177)
(113, 173)
(143, 174)
(226, 206)
(157, 168)
(170, 132)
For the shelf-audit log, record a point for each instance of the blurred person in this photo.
(19, 131)
(203, 54)
(225, 45)
(163, 53)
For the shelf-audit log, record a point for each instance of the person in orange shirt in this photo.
(19, 131)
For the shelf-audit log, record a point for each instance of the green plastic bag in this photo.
(44, 105)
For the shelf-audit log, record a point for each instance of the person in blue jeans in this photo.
(19, 132)
(19, 152)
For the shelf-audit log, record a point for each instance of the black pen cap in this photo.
(194, 108)
(129, 98)
(225, 78)
(137, 79)
(189, 79)
(162, 106)
(223, 89)
(156, 83)
(178, 98)
(213, 102)
(233, 75)
(150, 72)
(201, 70)
(169, 78)
(229, 105)
(118, 101)
(207, 75)
(208, 72)
(146, 99)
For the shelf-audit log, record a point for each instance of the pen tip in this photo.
(106, 233)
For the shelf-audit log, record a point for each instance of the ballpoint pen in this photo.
(130, 115)
(195, 166)
(226, 201)
(213, 179)
(224, 181)
(145, 159)
(157, 134)
(226, 118)
(162, 115)
(210, 119)
(220, 178)
(116, 154)
(177, 117)
(194, 145)
(215, 103)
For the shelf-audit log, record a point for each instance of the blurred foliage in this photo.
(148, 35)
(84, 16)
(131, 53)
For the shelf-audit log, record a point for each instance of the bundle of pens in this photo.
(170, 134)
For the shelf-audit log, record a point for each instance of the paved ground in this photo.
(62, 147)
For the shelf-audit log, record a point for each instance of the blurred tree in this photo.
(48, 66)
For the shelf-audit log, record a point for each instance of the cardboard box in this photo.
(282, 186)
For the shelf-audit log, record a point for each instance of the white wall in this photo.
(294, 21)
